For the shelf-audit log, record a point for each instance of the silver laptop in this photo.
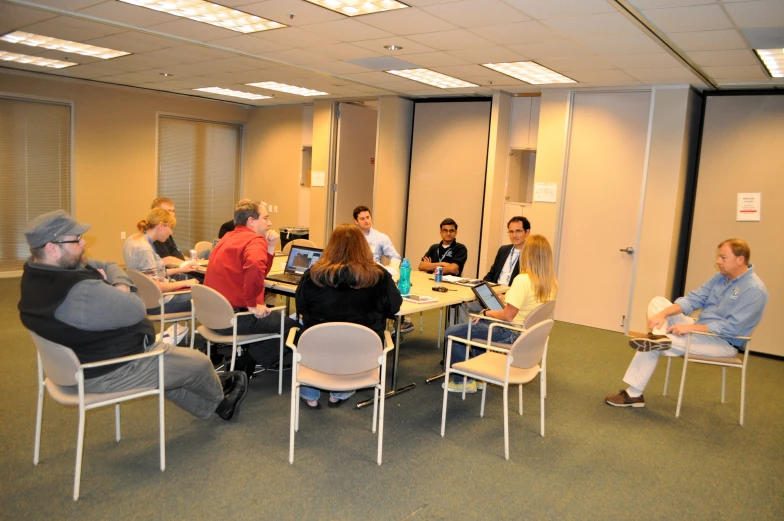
(300, 259)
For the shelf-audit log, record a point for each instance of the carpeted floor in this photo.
(595, 462)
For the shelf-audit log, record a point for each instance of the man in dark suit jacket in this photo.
(507, 261)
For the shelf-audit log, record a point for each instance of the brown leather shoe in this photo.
(622, 399)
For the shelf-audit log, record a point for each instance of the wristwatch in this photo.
(484, 312)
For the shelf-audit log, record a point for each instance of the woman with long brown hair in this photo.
(345, 285)
(535, 285)
(139, 254)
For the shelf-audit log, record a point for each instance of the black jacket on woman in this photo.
(368, 307)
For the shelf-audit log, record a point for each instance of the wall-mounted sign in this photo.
(544, 192)
(749, 205)
(317, 179)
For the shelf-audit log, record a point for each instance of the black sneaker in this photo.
(276, 367)
(407, 326)
(651, 343)
(229, 407)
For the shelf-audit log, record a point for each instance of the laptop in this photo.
(487, 297)
(300, 259)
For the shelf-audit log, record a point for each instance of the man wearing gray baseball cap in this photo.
(92, 307)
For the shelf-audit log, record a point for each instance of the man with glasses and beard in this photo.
(92, 308)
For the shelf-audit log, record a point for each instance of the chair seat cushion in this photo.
(493, 366)
(731, 360)
(69, 395)
(335, 382)
(217, 338)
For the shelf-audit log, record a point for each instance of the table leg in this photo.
(395, 391)
(449, 319)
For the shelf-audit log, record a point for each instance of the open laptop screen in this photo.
(301, 258)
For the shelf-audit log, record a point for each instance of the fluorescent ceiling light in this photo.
(233, 93)
(210, 13)
(773, 60)
(358, 7)
(291, 89)
(529, 72)
(36, 40)
(34, 60)
(436, 79)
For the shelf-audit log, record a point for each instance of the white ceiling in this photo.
(598, 43)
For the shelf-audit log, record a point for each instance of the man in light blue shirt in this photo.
(380, 244)
(731, 303)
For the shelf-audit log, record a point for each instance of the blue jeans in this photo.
(311, 394)
(479, 334)
(177, 304)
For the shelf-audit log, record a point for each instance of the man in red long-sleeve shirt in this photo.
(239, 263)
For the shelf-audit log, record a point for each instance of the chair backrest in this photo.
(298, 242)
(212, 309)
(201, 246)
(539, 314)
(148, 289)
(60, 363)
(528, 349)
(339, 348)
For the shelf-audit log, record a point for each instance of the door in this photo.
(606, 156)
(355, 162)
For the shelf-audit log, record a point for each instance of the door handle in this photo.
(628, 249)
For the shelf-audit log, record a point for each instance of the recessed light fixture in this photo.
(393, 47)
(529, 72)
(436, 79)
(773, 59)
(209, 13)
(166, 74)
(37, 40)
(358, 7)
(233, 93)
(34, 60)
(290, 89)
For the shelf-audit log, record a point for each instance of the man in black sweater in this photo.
(92, 307)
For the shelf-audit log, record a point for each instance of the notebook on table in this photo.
(300, 259)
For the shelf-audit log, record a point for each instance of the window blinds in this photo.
(199, 169)
(35, 170)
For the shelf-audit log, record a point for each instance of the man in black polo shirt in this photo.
(449, 254)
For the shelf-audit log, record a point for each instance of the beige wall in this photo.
(322, 161)
(115, 148)
(395, 123)
(741, 149)
(355, 171)
(273, 155)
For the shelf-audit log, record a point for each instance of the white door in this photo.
(608, 137)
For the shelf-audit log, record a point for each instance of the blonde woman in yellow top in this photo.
(535, 285)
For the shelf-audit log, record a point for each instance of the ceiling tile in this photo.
(250, 44)
(279, 10)
(69, 5)
(610, 76)
(382, 63)
(724, 58)
(188, 54)
(476, 13)
(136, 42)
(451, 40)
(488, 55)
(491, 77)
(462, 71)
(658, 4)
(340, 68)
(343, 51)
(637, 44)
(682, 19)
(407, 21)
(408, 46)
(295, 37)
(15, 16)
(86, 71)
(347, 30)
(738, 73)
(73, 29)
(557, 49)
(764, 13)
(371, 77)
(520, 32)
(432, 59)
(128, 14)
(577, 63)
(193, 30)
(544, 9)
(709, 40)
(642, 61)
(295, 56)
(663, 75)
(594, 27)
(135, 62)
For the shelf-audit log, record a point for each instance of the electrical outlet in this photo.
(276, 209)
(269, 208)
(122, 235)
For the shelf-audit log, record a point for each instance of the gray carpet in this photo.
(595, 462)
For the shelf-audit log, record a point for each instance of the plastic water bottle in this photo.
(404, 282)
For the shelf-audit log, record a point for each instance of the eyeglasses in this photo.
(448, 231)
(74, 241)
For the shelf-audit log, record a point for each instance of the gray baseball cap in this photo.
(51, 226)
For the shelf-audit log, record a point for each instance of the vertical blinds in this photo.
(35, 170)
(199, 169)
